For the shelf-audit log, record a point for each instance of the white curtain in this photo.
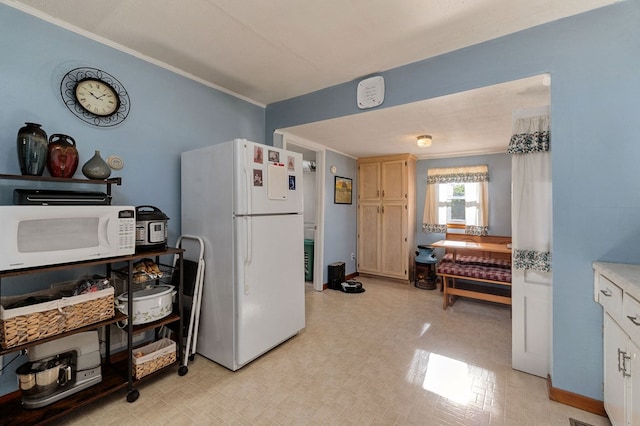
(531, 180)
(435, 221)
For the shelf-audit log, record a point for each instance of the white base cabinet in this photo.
(617, 289)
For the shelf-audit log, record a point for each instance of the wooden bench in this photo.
(482, 273)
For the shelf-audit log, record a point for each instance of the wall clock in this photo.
(95, 96)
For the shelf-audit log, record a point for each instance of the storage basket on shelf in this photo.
(52, 316)
(153, 357)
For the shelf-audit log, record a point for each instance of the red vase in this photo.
(62, 159)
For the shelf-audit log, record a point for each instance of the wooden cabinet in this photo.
(386, 215)
(617, 289)
(369, 182)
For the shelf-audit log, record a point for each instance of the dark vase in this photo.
(96, 168)
(32, 149)
(62, 160)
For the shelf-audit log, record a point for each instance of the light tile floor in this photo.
(389, 356)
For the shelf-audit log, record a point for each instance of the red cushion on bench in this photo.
(475, 271)
(477, 260)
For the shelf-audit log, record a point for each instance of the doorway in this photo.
(313, 157)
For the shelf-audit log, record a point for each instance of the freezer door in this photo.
(270, 283)
(268, 180)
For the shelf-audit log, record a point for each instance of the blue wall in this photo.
(340, 226)
(169, 114)
(499, 191)
(594, 61)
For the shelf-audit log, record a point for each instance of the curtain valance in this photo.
(469, 174)
(530, 135)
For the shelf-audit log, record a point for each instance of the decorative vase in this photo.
(96, 168)
(32, 149)
(62, 160)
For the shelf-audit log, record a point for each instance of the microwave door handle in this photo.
(104, 231)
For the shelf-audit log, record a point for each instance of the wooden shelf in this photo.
(114, 379)
(155, 324)
(110, 181)
(116, 375)
(117, 369)
(101, 261)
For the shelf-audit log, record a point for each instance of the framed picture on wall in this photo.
(342, 190)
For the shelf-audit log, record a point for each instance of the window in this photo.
(458, 203)
(457, 196)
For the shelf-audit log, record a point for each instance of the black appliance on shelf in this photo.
(49, 197)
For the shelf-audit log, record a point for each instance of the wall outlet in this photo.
(353, 256)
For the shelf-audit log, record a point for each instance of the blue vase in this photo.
(32, 149)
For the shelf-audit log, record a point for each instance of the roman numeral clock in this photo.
(95, 97)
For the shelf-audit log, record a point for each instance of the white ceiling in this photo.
(467, 123)
(270, 50)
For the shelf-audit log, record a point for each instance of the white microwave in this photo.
(34, 236)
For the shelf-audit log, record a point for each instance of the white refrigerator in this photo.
(245, 200)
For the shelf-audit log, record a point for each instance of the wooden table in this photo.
(454, 246)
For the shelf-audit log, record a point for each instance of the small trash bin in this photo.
(308, 260)
(425, 268)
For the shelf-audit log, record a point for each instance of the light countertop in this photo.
(626, 276)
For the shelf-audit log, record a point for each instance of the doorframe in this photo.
(318, 244)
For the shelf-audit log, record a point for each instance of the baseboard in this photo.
(575, 400)
(347, 277)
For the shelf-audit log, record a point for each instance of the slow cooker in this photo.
(151, 228)
(149, 304)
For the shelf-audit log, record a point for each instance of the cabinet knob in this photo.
(606, 293)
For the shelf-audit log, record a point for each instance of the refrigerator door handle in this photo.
(248, 178)
(248, 257)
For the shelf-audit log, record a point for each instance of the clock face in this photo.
(97, 97)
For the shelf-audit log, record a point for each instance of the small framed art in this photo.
(342, 190)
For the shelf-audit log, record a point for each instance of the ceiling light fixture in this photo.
(424, 141)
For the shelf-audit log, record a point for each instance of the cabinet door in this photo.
(615, 340)
(393, 240)
(368, 237)
(634, 367)
(369, 182)
(393, 180)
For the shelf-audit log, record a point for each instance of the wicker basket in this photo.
(34, 322)
(153, 357)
